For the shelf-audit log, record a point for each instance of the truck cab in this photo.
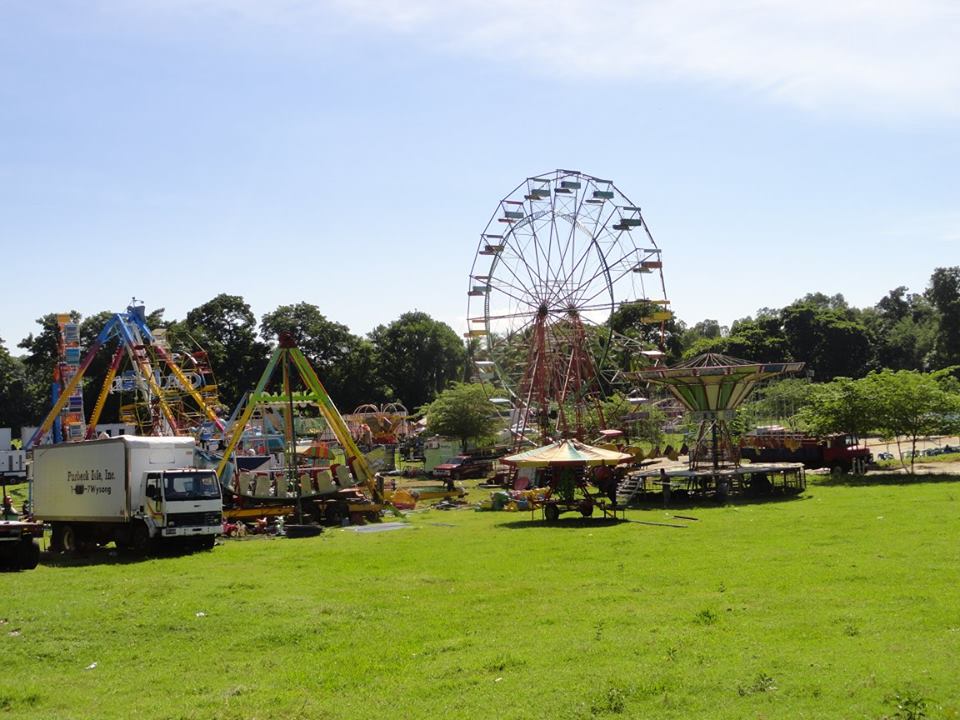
(183, 503)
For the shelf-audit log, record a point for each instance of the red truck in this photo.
(464, 466)
(840, 452)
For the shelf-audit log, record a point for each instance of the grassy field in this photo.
(842, 603)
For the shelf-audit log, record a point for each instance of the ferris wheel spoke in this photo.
(596, 246)
(553, 245)
(602, 287)
(523, 244)
(517, 292)
(610, 278)
(520, 283)
(510, 316)
(535, 215)
(552, 235)
(537, 265)
(581, 309)
(570, 248)
(592, 234)
(541, 261)
(509, 311)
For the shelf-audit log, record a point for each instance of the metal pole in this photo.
(716, 453)
(291, 433)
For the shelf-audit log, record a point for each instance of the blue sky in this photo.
(348, 153)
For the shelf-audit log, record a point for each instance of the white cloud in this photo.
(890, 57)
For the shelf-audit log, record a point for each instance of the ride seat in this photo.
(263, 486)
(344, 477)
(325, 484)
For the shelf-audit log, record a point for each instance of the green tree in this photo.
(360, 378)
(903, 326)
(42, 348)
(18, 404)
(704, 332)
(911, 404)
(944, 295)
(417, 357)
(894, 404)
(629, 320)
(637, 421)
(837, 303)
(226, 328)
(759, 339)
(463, 411)
(831, 340)
(840, 406)
(342, 360)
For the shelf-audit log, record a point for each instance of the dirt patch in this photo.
(931, 468)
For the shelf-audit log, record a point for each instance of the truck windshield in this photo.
(191, 486)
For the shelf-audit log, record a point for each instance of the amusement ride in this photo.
(561, 254)
(168, 392)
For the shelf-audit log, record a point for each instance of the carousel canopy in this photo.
(715, 382)
(567, 452)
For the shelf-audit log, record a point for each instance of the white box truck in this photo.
(134, 491)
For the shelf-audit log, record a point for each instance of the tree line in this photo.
(415, 357)
(903, 331)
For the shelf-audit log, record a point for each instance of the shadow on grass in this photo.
(654, 501)
(880, 479)
(110, 556)
(564, 523)
(654, 504)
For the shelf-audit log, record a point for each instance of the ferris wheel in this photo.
(559, 256)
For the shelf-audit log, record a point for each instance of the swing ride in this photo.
(711, 387)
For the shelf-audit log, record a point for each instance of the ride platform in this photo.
(750, 480)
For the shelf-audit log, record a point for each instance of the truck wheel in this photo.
(551, 512)
(68, 539)
(838, 469)
(56, 538)
(141, 538)
(586, 509)
(29, 554)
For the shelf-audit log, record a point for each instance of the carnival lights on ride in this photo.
(170, 405)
